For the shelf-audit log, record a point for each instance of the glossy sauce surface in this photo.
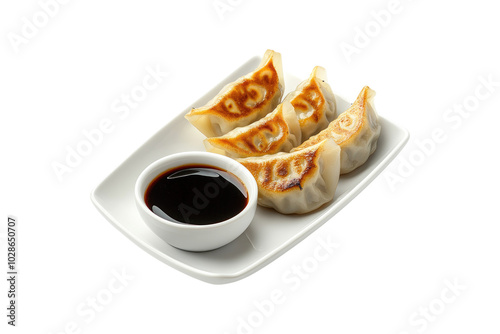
(196, 194)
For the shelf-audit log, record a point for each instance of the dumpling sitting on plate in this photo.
(243, 101)
(279, 131)
(356, 131)
(314, 103)
(297, 182)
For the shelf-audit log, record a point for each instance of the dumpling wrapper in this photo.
(314, 103)
(243, 101)
(297, 182)
(279, 131)
(356, 131)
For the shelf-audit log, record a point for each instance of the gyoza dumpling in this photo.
(243, 101)
(279, 131)
(314, 103)
(297, 182)
(356, 131)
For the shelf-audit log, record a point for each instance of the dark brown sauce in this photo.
(196, 194)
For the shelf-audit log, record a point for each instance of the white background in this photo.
(430, 218)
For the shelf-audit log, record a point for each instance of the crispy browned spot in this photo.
(266, 77)
(247, 143)
(310, 96)
(303, 163)
(282, 168)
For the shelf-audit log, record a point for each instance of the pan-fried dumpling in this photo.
(297, 182)
(243, 101)
(356, 131)
(314, 103)
(279, 131)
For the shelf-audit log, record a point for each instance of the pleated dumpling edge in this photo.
(243, 101)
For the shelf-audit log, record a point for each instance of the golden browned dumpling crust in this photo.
(252, 92)
(297, 182)
(243, 101)
(356, 131)
(279, 131)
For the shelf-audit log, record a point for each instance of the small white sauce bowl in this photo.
(189, 237)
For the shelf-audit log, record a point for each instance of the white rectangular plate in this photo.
(269, 235)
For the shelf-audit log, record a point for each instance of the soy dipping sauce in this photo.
(196, 194)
